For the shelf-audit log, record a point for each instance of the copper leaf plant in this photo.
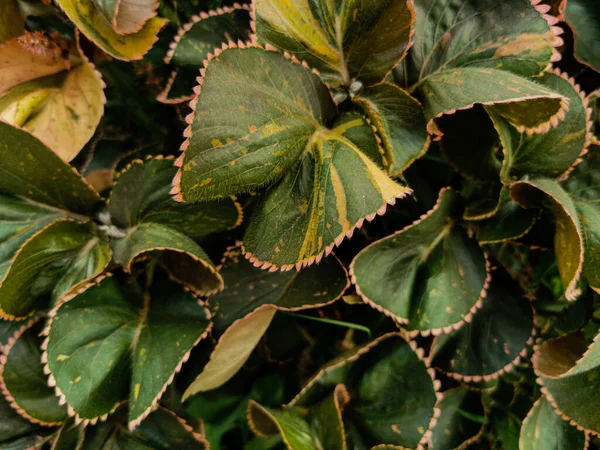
(299, 225)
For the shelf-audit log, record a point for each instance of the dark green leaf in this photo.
(129, 344)
(23, 380)
(429, 276)
(582, 17)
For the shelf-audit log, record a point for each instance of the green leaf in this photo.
(162, 430)
(582, 18)
(129, 344)
(13, 427)
(552, 153)
(59, 103)
(320, 427)
(496, 338)
(55, 260)
(528, 106)
(584, 179)
(23, 381)
(245, 308)
(589, 215)
(30, 169)
(569, 372)
(13, 22)
(430, 276)
(345, 42)
(127, 16)
(568, 238)
(392, 391)
(195, 41)
(400, 121)
(509, 36)
(151, 220)
(91, 21)
(544, 429)
(454, 428)
(326, 185)
(70, 436)
(509, 221)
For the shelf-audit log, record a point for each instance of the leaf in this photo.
(392, 391)
(141, 206)
(60, 106)
(510, 36)
(429, 276)
(496, 339)
(569, 373)
(589, 215)
(30, 169)
(568, 238)
(509, 222)
(129, 344)
(582, 18)
(324, 182)
(161, 430)
(400, 121)
(525, 104)
(245, 308)
(54, 261)
(195, 41)
(454, 429)
(23, 381)
(70, 436)
(127, 16)
(550, 154)
(584, 180)
(543, 429)
(92, 22)
(345, 42)
(13, 426)
(316, 428)
(13, 22)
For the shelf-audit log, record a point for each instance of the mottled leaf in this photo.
(193, 43)
(582, 17)
(319, 427)
(552, 153)
(430, 276)
(23, 381)
(245, 308)
(91, 21)
(509, 221)
(162, 430)
(494, 340)
(30, 169)
(58, 104)
(544, 429)
(454, 429)
(326, 185)
(347, 41)
(569, 372)
(510, 36)
(400, 121)
(127, 16)
(55, 260)
(129, 344)
(13, 22)
(568, 239)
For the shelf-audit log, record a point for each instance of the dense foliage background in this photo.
(299, 224)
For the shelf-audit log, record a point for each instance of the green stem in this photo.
(338, 323)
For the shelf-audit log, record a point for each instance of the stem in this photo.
(337, 323)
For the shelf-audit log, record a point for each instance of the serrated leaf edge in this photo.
(133, 31)
(163, 96)
(549, 397)
(557, 41)
(3, 359)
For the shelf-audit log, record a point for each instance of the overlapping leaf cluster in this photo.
(380, 229)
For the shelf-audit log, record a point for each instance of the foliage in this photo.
(299, 225)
